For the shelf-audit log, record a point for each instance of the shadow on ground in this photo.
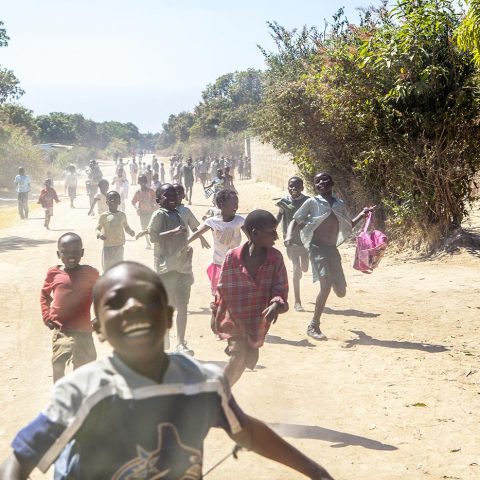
(364, 339)
(20, 243)
(283, 341)
(202, 311)
(339, 439)
(350, 312)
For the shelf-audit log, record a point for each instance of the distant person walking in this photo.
(22, 182)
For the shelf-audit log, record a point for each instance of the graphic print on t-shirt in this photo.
(171, 459)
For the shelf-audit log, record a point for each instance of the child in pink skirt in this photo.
(226, 228)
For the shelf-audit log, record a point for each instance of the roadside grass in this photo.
(9, 215)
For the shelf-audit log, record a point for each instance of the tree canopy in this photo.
(390, 106)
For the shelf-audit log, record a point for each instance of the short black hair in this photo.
(296, 179)
(142, 177)
(259, 219)
(113, 193)
(73, 236)
(103, 181)
(223, 195)
(162, 188)
(149, 274)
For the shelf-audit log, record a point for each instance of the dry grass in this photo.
(9, 215)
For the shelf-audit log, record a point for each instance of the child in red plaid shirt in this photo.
(252, 291)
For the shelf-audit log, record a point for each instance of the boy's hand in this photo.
(132, 233)
(204, 243)
(53, 325)
(140, 234)
(101, 236)
(179, 230)
(270, 314)
(367, 210)
(287, 242)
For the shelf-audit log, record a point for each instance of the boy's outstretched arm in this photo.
(12, 469)
(198, 233)
(256, 436)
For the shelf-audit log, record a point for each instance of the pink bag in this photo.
(370, 248)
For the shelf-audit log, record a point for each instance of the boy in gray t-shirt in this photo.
(172, 257)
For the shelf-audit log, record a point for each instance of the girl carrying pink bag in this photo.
(370, 247)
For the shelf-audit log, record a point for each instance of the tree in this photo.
(18, 115)
(468, 32)
(389, 106)
(9, 84)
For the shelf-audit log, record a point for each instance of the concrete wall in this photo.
(268, 165)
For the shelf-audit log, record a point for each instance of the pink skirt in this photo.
(213, 272)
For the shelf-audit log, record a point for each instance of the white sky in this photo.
(140, 60)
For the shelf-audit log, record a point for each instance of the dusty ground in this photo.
(393, 394)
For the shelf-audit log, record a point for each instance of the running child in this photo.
(144, 202)
(296, 252)
(226, 229)
(45, 199)
(140, 413)
(172, 257)
(71, 184)
(100, 198)
(325, 224)
(252, 291)
(65, 301)
(111, 228)
(188, 178)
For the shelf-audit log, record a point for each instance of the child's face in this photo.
(266, 236)
(229, 207)
(323, 183)
(132, 314)
(143, 182)
(168, 198)
(70, 252)
(104, 188)
(295, 188)
(113, 201)
(180, 194)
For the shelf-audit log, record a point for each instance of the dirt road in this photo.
(393, 394)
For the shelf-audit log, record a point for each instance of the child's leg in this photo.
(62, 346)
(313, 329)
(297, 275)
(144, 221)
(83, 349)
(47, 218)
(241, 357)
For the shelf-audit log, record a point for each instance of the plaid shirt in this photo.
(241, 299)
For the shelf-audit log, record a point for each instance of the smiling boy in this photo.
(65, 301)
(141, 413)
(252, 291)
(296, 252)
(173, 257)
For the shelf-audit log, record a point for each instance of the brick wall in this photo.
(268, 165)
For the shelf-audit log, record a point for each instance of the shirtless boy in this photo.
(326, 225)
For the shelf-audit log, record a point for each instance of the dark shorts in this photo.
(178, 286)
(327, 263)
(241, 345)
(295, 251)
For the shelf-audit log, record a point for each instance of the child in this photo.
(226, 230)
(144, 203)
(162, 173)
(217, 184)
(121, 185)
(100, 198)
(155, 182)
(71, 184)
(228, 180)
(296, 252)
(188, 178)
(110, 229)
(252, 291)
(65, 300)
(173, 257)
(187, 215)
(22, 182)
(326, 225)
(141, 413)
(45, 199)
